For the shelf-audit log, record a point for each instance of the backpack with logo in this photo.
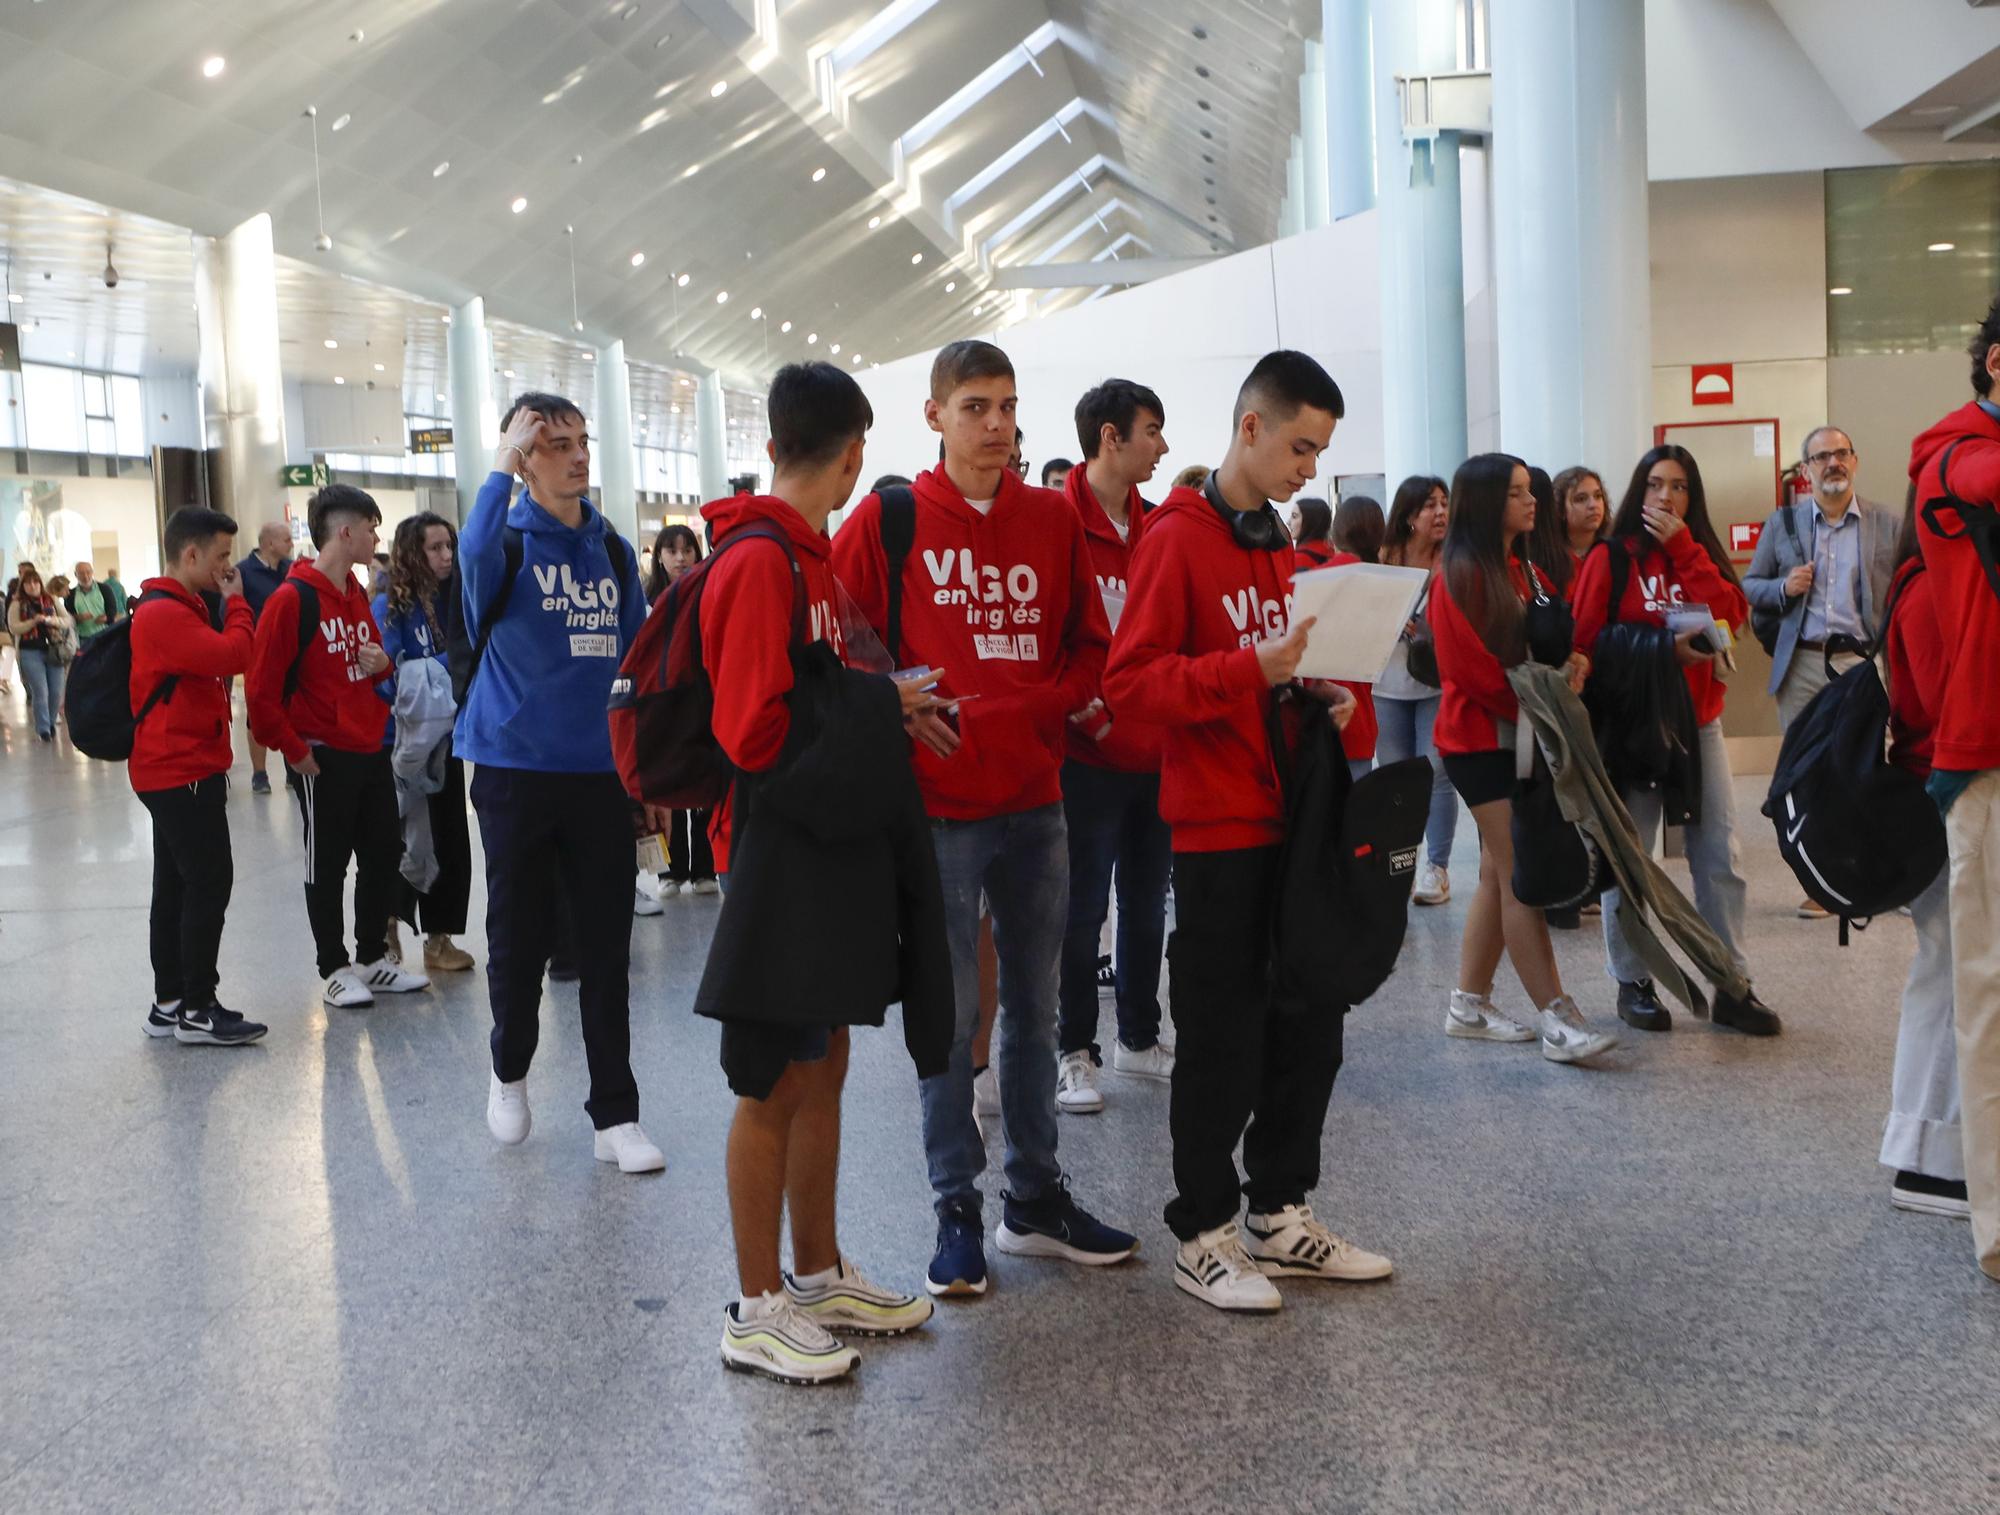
(662, 706)
(97, 704)
(462, 650)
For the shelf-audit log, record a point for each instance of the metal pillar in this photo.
(1346, 99)
(1312, 133)
(242, 389)
(475, 424)
(617, 463)
(1423, 263)
(711, 437)
(1569, 159)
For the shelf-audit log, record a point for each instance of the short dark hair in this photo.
(1983, 342)
(1282, 383)
(549, 407)
(338, 500)
(815, 411)
(1055, 465)
(961, 363)
(1116, 402)
(192, 526)
(889, 481)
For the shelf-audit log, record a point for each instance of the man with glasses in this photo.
(1823, 566)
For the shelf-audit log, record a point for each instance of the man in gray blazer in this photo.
(1824, 567)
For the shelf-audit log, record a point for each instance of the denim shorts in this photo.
(755, 1055)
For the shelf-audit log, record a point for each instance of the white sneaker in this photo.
(386, 977)
(1433, 885)
(1473, 1015)
(628, 1147)
(702, 886)
(781, 1341)
(347, 989)
(1076, 1084)
(1290, 1243)
(671, 890)
(1156, 1061)
(507, 1114)
(645, 902)
(986, 1091)
(1567, 1037)
(851, 1303)
(1216, 1270)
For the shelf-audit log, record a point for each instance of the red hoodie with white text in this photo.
(1967, 738)
(746, 633)
(185, 736)
(1006, 603)
(1185, 657)
(334, 703)
(1131, 745)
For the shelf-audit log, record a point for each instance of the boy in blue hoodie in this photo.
(552, 600)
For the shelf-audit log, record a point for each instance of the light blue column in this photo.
(242, 389)
(1574, 300)
(710, 436)
(617, 463)
(475, 424)
(1423, 262)
(1312, 133)
(1348, 107)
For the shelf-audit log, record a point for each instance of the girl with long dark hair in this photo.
(1672, 562)
(1405, 707)
(411, 617)
(1548, 544)
(1582, 507)
(1479, 615)
(690, 859)
(1311, 525)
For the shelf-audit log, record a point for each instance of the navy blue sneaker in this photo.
(959, 1266)
(1055, 1225)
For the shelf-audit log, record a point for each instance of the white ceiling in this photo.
(978, 133)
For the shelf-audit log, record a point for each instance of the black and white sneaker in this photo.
(1930, 1196)
(1215, 1269)
(161, 1019)
(213, 1026)
(1293, 1243)
(389, 977)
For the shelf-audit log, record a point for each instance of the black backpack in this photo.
(463, 651)
(97, 705)
(1862, 835)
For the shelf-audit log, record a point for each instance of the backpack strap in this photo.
(1977, 522)
(673, 603)
(164, 690)
(511, 554)
(308, 631)
(899, 535)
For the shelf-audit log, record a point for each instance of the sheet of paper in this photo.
(1360, 609)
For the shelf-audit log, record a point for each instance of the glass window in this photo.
(128, 410)
(1911, 256)
(54, 407)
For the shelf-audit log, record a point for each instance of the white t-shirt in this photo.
(1123, 528)
(984, 507)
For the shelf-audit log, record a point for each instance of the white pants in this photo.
(1923, 1134)
(1973, 831)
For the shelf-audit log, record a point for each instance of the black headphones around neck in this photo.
(1257, 530)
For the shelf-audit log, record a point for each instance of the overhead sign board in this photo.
(431, 439)
(304, 476)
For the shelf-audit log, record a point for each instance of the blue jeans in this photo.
(1404, 731)
(1114, 819)
(1021, 863)
(44, 677)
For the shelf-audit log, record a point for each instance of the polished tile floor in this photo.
(300, 1276)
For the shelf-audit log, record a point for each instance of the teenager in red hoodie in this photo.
(1204, 643)
(181, 669)
(784, 1143)
(1673, 561)
(1111, 776)
(313, 698)
(1957, 497)
(998, 591)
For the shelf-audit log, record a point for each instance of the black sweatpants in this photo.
(550, 838)
(192, 876)
(1238, 1059)
(690, 858)
(441, 910)
(349, 811)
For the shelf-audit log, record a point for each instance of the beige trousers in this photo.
(1973, 830)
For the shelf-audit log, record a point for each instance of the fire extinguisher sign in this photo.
(1743, 537)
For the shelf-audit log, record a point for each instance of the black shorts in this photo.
(1480, 777)
(755, 1056)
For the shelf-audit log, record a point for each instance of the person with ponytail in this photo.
(1663, 548)
(1480, 619)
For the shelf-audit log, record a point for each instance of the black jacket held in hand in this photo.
(1643, 717)
(834, 910)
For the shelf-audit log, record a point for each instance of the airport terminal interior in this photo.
(295, 261)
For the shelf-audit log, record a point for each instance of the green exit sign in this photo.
(303, 475)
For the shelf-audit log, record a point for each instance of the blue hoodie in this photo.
(538, 698)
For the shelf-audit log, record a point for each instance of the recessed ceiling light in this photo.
(950, 285)
(857, 360)
(722, 297)
(691, 170)
(718, 89)
(338, 379)
(340, 122)
(834, 349)
(628, 13)
(520, 204)
(441, 396)
(1943, 246)
(818, 174)
(589, 357)
(786, 327)
(686, 382)
(506, 373)
(811, 338)
(441, 170)
(1841, 289)
(329, 344)
(17, 299)
(211, 67)
(665, 38)
(682, 281)
(873, 222)
(916, 258)
(446, 318)
(756, 312)
(638, 260)
(381, 368)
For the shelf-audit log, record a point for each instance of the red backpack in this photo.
(662, 705)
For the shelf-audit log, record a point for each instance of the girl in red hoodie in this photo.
(1674, 564)
(1479, 619)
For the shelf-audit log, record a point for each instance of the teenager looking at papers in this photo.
(784, 1143)
(1111, 777)
(180, 769)
(312, 698)
(553, 818)
(997, 590)
(1202, 646)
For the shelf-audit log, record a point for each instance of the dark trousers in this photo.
(440, 911)
(565, 837)
(1240, 1060)
(349, 811)
(192, 876)
(1114, 821)
(690, 858)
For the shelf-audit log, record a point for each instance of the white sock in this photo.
(172, 1004)
(820, 1280)
(751, 1307)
